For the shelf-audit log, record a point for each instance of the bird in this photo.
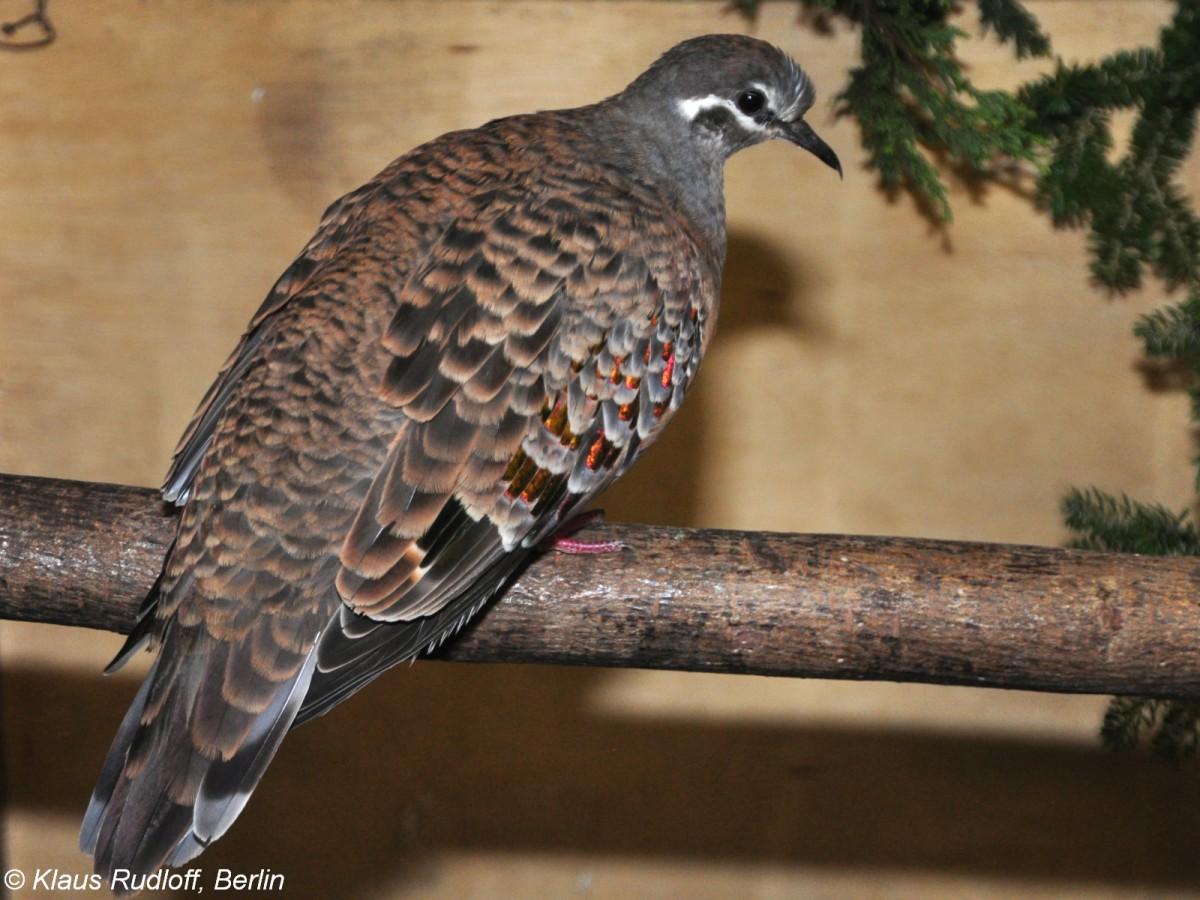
(473, 345)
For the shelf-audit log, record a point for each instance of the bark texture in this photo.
(828, 606)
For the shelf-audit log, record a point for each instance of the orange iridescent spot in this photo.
(558, 424)
(527, 470)
(628, 410)
(597, 451)
(556, 418)
(514, 466)
(535, 486)
(632, 382)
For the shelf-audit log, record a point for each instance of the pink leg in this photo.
(571, 545)
(562, 541)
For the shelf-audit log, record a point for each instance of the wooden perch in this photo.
(895, 609)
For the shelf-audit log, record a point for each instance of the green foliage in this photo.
(1128, 720)
(1169, 728)
(1103, 522)
(1137, 213)
(1013, 24)
(1173, 332)
(916, 104)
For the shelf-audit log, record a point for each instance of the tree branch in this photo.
(897, 609)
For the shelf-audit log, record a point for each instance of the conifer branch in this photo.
(1110, 524)
(1013, 24)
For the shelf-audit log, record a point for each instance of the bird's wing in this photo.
(336, 227)
(340, 223)
(538, 351)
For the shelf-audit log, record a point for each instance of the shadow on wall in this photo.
(441, 758)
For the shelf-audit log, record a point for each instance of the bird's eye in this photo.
(751, 102)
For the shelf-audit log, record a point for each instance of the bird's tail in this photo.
(161, 798)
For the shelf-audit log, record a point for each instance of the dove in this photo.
(473, 345)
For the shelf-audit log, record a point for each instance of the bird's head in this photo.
(734, 91)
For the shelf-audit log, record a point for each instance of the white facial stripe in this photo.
(693, 106)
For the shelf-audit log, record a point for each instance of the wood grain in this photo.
(827, 606)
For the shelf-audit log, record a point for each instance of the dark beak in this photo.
(800, 134)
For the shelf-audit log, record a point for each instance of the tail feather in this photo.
(159, 799)
(114, 763)
(227, 785)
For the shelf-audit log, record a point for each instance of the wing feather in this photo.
(337, 224)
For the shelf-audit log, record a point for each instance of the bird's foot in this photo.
(562, 541)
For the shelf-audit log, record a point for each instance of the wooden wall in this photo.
(161, 163)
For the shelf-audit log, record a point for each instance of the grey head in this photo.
(728, 92)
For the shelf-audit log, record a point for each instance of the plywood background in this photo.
(160, 165)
